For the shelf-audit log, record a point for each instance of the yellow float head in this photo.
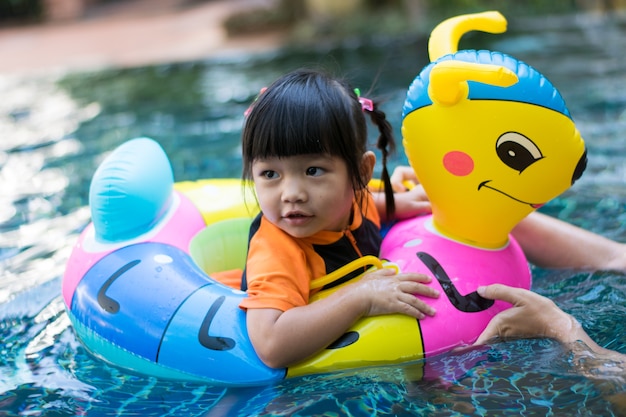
(488, 136)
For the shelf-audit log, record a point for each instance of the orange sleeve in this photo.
(276, 269)
(369, 210)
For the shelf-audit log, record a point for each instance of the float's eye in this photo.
(517, 151)
(580, 167)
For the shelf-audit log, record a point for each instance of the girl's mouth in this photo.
(295, 214)
(297, 218)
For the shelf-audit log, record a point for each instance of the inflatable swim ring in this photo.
(140, 287)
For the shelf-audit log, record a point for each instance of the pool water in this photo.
(56, 131)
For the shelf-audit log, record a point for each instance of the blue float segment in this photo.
(151, 301)
(130, 190)
(130, 296)
(121, 357)
(211, 328)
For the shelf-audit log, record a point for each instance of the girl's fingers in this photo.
(414, 277)
(419, 308)
(381, 272)
(415, 288)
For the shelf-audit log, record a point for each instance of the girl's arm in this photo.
(284, 338)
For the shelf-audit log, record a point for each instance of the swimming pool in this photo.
(55, 132)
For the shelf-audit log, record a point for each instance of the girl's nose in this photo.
(294, 191)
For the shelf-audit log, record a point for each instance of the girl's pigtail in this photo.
(387, 145)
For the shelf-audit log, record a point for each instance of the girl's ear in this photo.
(368, 160)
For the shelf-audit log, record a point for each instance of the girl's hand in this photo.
(386, 292)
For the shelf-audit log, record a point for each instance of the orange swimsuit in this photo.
(280, 268)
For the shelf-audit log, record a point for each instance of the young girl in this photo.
(304, 147)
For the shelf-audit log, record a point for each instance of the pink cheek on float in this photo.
(458, 163)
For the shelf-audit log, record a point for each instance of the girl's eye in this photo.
(314, 171)
(269, 174)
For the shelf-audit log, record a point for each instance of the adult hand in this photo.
(532, 315)
(409, 196)
(403, 178)
(412, 203)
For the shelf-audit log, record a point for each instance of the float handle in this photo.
(362, 262)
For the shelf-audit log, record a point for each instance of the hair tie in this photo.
(366, 103)
(249, 109)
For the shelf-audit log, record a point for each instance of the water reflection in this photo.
(55, 133)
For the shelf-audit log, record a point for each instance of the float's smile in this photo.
(484, 184)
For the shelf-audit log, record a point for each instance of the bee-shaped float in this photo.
(489, 138)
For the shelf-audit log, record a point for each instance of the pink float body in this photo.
(467, 267)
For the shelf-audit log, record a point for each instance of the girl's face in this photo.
(304, 194)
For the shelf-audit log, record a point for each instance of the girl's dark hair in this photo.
(309, 112)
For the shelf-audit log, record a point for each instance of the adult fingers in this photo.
(400, 176)
(490, 332)
(512, 295)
